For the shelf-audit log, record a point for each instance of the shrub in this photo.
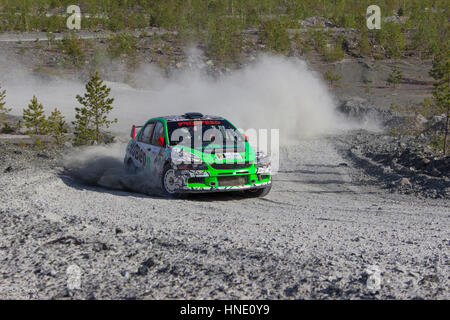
(335, 52)
(74, 49)
(34, 117)
(3, 110)
(124, 44)
(92, 117)
(275, 36)
(6, 129)
(392, 39)
(331, 76)
(57, 126)
(364, 45)
(318, 39)
(441, 92)
(224, 40)
(395, 77)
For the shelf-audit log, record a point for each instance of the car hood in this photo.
(220, 154)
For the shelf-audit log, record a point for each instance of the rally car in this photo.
(194, 153)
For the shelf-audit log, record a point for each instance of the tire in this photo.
(258, 193)
(166, 187)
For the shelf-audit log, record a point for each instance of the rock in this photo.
(404, 182)
(149, 263)
(142, 271)
(100, 246)
(291, 291)
(91, 296)
(420, 122)
(9, 169)
(43, 155)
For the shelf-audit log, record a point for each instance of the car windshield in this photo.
(205, 134)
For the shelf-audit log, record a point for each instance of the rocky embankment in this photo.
(406, 163)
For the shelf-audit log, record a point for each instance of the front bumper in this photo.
(197, 181)
(224, 188)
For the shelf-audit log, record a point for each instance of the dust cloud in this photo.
(103, 166)
(272, 92)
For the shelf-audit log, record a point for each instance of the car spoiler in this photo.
(133, 131)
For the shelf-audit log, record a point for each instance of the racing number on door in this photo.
(137, 149)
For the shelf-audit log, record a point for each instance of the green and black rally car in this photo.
(195, 153)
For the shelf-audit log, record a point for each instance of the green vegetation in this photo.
(441, 93)
(335, 52)
(318, 39)
(364, 45)
(331, 76)
(392, 39)
(34, 117)
(74, 49)
(57, 127)
(219, 23)
(275, 36)
(395, 77)
(124, 45)
(92, 117)
(3, 110)
(223, 40)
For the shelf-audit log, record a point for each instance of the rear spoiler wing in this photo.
(133, 131)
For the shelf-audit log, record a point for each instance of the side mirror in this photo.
(133, 132)
(161, 141)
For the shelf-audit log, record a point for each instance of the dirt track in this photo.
(314, 236)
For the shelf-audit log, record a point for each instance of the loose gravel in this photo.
(326, 231)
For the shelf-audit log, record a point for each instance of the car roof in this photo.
(185, 118)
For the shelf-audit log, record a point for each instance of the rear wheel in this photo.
(258, 193)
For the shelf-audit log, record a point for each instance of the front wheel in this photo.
(170, 182)
(258, 193)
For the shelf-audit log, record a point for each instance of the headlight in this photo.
(186, 160)
(262, 160)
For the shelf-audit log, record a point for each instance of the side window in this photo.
(157, 133)
(146, 134)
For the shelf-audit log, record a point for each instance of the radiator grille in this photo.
(232, 181)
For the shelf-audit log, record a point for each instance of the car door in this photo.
(144, 144)
(156, 153)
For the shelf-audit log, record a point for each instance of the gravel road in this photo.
(324, 232)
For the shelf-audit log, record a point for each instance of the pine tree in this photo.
(92, 117)
(57, 126)
(3, 110)
(441, 94)
(396, 76)
(332, 77)
(83, 133)
(34, 117)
